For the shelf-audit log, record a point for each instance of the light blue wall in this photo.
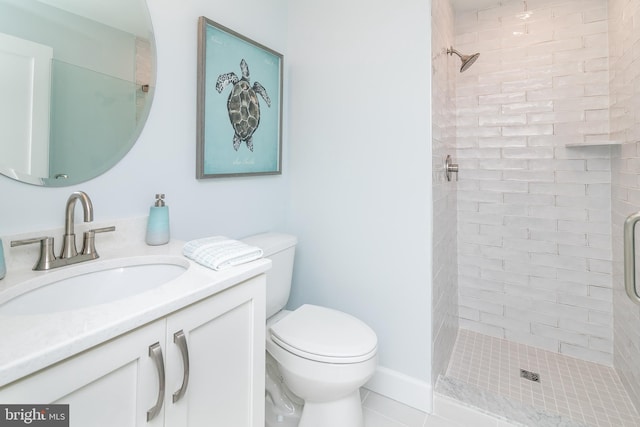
(360, 136)
(163, 160)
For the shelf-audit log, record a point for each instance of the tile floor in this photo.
(584, 392)
(571, 391)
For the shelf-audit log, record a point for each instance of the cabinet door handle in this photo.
(181, 341)
(155, 353)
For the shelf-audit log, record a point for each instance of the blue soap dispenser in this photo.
(158, 224)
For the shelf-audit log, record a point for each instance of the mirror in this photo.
(77, 79)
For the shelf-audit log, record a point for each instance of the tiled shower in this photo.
(545, 128)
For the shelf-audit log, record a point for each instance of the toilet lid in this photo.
(325, 335)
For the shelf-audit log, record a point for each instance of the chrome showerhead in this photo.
(467, 60)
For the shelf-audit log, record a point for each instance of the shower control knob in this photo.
(450, 167)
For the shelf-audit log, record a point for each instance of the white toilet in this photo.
(317, 358)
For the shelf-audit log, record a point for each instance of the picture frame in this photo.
(239, 105)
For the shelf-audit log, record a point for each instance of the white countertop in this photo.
(31, 342)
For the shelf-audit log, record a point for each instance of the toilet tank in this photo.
(280, 249)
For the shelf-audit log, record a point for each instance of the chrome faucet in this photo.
(69, 254)
(69, 239)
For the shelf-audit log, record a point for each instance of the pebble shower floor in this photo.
(585, 392)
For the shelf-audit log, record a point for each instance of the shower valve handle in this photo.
(450, 167)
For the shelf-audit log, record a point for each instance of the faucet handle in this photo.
(46, 251)
(89, 241)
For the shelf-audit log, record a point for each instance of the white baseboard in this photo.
(402, 388)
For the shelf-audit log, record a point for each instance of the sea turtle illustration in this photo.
(243, 106)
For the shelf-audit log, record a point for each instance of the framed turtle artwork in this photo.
(239, 126)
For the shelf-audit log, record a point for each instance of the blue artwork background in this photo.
(224, 52)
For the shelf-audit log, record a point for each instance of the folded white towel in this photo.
(219, 252)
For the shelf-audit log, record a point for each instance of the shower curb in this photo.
(497, 410)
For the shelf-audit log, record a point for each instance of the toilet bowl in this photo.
(317, 357)
(324, 357)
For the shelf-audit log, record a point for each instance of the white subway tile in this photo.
(600, 266)
(529, 176)
(502, 98)
(505, 322)
(601, 293)
(561, 310)
(557, 165)
(568, 92)
(504, 277)
(558, 189)
(597, 64)
(479, 239)
(491, 153)
(586, 277)
(502, 209)
(586, 177)
(580, 352)
(530, 269)
(546, 343)
(584, 202)
(597, 27)
(528, 153)
(555, 117)
(584, 227)
(584, 251)
(503, 231)
(502, 120)
(586, 328)
(555, 45)
(531, 245)
(582, 103)
(560, 237)
(503, 164)
(532, 316)
(531, 223)
(504, 186)
(528, 199)
(599, 190)
(601, 215)
(559, 286)
(559, 213)
(502, 141)
(527, 107)
(562, 335)
(604, 345)
(503, 254)
(480, 196)
(588, 302)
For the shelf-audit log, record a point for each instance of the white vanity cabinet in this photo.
(116, 383)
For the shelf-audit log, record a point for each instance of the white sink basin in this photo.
(91, 284)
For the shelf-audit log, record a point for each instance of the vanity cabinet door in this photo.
(225, 339)
(112, 384)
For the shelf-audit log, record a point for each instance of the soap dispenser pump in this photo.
(158, 224)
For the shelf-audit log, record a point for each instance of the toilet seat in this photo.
(325, 335)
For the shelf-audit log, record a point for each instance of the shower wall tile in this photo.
(534, 215)
(444, 280)
(624, 85)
